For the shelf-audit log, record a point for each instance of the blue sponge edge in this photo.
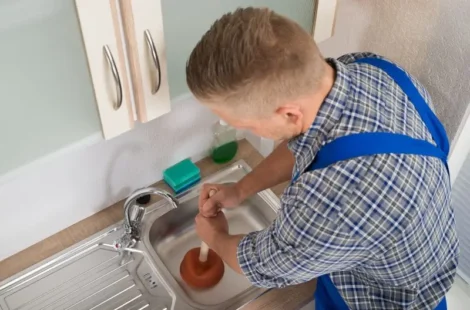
(185, 186)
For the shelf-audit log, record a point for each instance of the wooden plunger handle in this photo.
(204, 250)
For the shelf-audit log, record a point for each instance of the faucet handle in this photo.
(125, 241)
(134, 213)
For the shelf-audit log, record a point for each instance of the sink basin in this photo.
(172, 234)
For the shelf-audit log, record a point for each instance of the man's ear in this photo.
(290, 112)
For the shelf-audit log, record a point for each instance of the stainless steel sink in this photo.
(90, 275)
(94, 275)
(172, 234)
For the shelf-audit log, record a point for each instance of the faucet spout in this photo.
(134, 213)
(131, 204)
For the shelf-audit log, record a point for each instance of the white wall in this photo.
(460, 198)
(45, 197)
(431, 38)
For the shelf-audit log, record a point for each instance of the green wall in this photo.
(46, 94)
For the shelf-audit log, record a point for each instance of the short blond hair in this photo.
(252, 59)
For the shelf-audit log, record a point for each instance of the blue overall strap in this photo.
(372, 143)
(433, 124)
(327, 296)
(376, 143)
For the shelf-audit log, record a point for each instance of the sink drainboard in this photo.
(90, 277)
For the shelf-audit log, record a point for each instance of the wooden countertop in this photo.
(287, 298)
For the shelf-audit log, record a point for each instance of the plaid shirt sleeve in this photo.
(305, 241)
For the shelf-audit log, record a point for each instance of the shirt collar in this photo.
(306, 146)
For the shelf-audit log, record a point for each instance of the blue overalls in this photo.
(327, 296)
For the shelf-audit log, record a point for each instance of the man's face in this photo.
(279, 125)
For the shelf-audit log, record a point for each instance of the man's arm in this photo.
(226, 246)
(214, 232)
(301, 244)
(273, 170)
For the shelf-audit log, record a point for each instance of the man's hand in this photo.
(210, 228)
(214, 232)
(226, 196)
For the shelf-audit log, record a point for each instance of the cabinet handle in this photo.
(156, 62)
(117, 79)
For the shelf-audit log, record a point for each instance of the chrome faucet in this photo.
(134, 213)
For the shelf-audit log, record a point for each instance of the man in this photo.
(368, 210)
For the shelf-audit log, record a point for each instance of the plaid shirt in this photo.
(382, 226)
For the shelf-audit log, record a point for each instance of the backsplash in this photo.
(50, 196)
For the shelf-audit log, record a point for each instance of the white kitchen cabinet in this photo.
(126, 55)
(146, 50)
(100, 26)
(324, 19)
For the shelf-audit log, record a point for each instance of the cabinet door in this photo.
(146, 51)
(324, 20)
(102, 33)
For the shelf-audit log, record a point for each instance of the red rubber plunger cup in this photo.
(201, 275)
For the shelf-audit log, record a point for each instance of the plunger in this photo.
(202, 268)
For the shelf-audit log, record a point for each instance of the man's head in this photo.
(258, 71)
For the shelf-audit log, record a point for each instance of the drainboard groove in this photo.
(127, 299)
(43, 270)
(110, 299)
(88, 291)
(75, 285)
(88, 297)
(128, 302)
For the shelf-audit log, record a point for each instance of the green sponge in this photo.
(182, 175)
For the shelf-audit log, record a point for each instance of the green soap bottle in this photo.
(225, 145)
